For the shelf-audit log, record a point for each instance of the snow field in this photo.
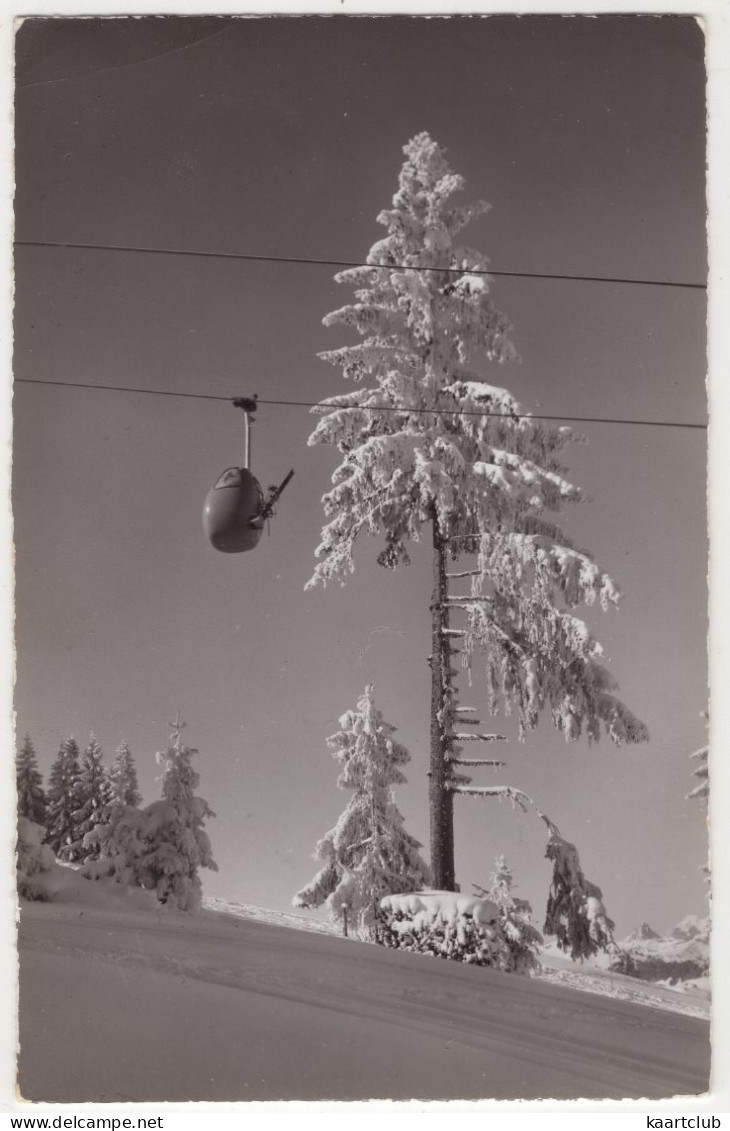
(123, 1001)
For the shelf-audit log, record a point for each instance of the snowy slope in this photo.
(592, 976)
(691, 998)
(122, 1001)
(268, 915)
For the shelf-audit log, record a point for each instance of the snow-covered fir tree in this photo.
(170, 835)
(522, 941)
(62, 797)
(93, 799)
(118, 842)
(123, 781)
(29, 783)
(426, 442)
(368, 854)
(126, 846)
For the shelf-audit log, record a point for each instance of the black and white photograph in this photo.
(360, 533)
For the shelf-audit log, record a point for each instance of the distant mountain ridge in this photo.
(640, 934)
(681, 956)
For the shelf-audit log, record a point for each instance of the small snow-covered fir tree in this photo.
(29, 783)
(522, 941)
(124, 785)
(62, 804)
(174, 843)
(427, 442)
(368, 854)
(93, 799)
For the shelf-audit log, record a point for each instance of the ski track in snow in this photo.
(556, 967)
(119, 1003)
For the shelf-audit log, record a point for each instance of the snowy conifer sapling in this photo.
(427, 442)
(29, 782)
(63, 802)
(368, 854)
(177, 845)
(521, 942)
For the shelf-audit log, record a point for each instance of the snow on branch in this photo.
(702, 771)
(518, 798)
(465, 737)
(476, 762)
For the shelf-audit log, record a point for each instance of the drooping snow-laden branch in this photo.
(517, 796)
(575, 912)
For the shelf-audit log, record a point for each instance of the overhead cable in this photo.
(330, 404)
(138, 250)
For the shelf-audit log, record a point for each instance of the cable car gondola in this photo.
(236, 510)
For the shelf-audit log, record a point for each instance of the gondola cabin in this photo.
(233, 514)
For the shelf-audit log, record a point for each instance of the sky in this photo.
(283, 137)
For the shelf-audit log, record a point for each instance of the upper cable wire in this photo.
(332, 404)
(357, 263)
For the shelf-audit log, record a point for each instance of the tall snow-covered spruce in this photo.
(428, 443)
(63, 801)
(368, 854)
(92, 800)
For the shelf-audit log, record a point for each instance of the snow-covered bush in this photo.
(116, 847)
(521, 941)
(443, 924)
(34, 861)
(368, 853)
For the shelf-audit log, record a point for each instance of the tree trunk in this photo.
(441, 799)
